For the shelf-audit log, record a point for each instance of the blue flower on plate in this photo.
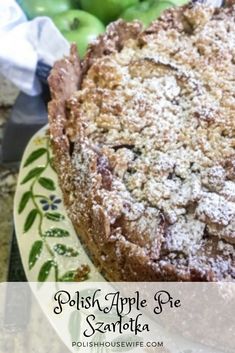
(50, 203)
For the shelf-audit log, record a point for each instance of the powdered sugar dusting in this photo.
(161, 111)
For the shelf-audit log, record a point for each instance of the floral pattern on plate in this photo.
(49, 246)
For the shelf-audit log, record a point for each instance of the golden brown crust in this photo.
(128, 238)
(113, 40)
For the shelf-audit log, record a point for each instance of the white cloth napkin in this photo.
(24, 43)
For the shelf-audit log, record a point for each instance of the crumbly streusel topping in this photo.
(162, 110)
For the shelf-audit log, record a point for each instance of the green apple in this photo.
(107, 10)
(34, 8)
(177, 2)
(80, 27)
(146, 11)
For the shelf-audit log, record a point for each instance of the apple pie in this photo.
(143, 132)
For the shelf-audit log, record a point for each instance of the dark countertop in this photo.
(8, 179)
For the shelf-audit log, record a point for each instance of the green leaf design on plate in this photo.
(75, 325)
(47, 183)
(54, 216)
(30, 219)
(38, 219)
(35, 253)
(45, 270)
(32, 174)
(125, 338)
(56, 233)
(68, 276)
(35, 155)
(62, 249)
(24, 200)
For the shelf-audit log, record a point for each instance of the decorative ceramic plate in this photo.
(49, 246)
